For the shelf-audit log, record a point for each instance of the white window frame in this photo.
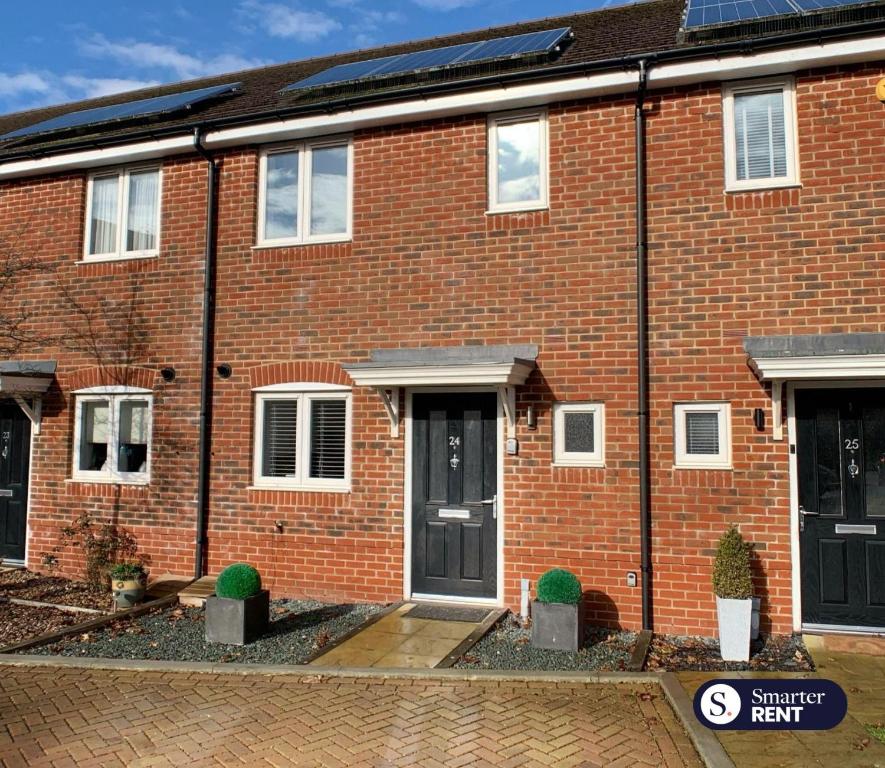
(304, 393)
(564, 458)
(114, 396)
(305, 150)
(543, 160)
(122, 174)
(791, 135)
(684, 460)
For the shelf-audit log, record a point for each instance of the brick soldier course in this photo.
(66, 717)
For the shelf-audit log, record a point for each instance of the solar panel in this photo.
(143, 107)
(437, 58)
(704, 13)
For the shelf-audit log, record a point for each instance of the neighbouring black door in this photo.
(15, 449)
(841, 460)
(454, 482)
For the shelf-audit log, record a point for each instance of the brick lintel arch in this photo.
(109, 376)
(320, 371)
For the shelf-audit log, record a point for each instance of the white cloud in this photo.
(23, 83)
(444, 5)
(94, 87)
(278, 20)
(143, 55)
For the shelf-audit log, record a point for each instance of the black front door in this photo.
(841, 461)
(15, 449)
(454, 482)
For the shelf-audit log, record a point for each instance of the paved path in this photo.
(66, 717)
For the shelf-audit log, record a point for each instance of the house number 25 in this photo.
(852, 443)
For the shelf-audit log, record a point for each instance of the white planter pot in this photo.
(734, 628)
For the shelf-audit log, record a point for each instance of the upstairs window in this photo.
(302, 437)
(760, 135)
(305, 193)
(123, 214)
(702, 435)
(112, 440)
(518, 161)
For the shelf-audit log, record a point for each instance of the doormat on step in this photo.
(448, 613)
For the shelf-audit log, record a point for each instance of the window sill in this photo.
(586, 464)
(106, 481)
(301, 243)
(117, 257)
(764, 185)
(299, 488)
(530, 209)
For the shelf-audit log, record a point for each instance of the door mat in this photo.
(448, 613)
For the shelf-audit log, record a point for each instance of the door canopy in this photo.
(20, 379)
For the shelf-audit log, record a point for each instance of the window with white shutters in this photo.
(702, 435)
(302, 438)
(760, 135)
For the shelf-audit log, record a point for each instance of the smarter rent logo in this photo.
(793, 705)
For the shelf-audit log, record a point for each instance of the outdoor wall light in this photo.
(224, 370)
(759, 419)
(168, 374)
(531, 418)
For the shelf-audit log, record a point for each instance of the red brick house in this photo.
(430, 331)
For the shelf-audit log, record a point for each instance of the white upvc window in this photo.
(303, 437)
(518, 161)
(123, 214)
(761, 139)
(702, 435)
(579, 434)
(112, 435)
(306, 193)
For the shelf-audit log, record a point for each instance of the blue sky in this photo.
(60, 50)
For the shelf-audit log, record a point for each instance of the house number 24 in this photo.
(454, 442)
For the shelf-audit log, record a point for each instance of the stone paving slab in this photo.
(93, 717)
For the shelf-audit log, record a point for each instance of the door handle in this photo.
(494, 502)
(803, 513)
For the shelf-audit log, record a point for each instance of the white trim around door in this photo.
(795, 552)
(407, 501)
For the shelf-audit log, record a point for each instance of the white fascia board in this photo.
(441, 375)
(97, 158)
(829, 367)
(517, 96)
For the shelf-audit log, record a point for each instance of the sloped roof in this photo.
(601, 35)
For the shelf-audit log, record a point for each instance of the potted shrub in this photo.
(128, 583)
(558, 613)
(239, 611)
(733, 585)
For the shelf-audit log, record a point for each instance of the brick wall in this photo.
(428, 266)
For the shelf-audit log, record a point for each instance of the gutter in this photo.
(502, 79)
(206, 357)
(642, 347)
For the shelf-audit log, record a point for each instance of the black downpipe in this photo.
(642, 346)
(207, 356)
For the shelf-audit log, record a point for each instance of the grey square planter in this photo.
(735, 617)
(237, 622)
(557, 626)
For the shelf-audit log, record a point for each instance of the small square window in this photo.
(702, 435)
(759, 125)
(517, 150)
(578, 434)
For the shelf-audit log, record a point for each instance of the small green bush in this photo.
(732, 576)
(238, 581)
(559, 586)
(127, 571)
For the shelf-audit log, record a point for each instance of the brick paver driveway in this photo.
(63, 717)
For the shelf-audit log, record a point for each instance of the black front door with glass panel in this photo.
(15, 450)
(840, 446)
(454, 486)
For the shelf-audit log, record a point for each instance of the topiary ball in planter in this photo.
(558, 613)
(240, 610)
(559, 586)
(238, 581)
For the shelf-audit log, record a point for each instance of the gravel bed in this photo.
(774, 653)
(27, 585)
(508, 646)
(22, 622)
(298, 629)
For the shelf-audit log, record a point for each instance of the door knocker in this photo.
(454, 442)
(853, 469)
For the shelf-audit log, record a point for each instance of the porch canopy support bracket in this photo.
(508, 400)
(390, 398)
(34, 413)
(813, 357)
